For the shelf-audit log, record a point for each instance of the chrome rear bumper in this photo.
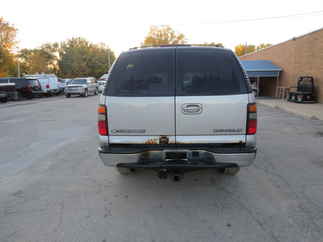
(241, 159)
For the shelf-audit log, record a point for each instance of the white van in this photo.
(48, 83)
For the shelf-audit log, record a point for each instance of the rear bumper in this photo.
(197, 156)
(76, 91)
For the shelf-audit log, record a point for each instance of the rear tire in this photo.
(68, 95)
(3, 100)
(231, 171)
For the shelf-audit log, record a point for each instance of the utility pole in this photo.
(18, 68)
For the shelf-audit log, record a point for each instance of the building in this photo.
(299, 56)
(263, 75)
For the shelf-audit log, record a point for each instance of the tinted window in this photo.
(208, 72)
(3, 80)
(143, 73)
(20, 82)
(78, 81)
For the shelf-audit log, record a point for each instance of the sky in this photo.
(123, 24)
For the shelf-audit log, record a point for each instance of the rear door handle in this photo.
(192, 108)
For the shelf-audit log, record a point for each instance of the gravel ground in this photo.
(53, 187)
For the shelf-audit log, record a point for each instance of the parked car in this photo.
(102, 82)
(3, 96)
(82, 86)
(61, 83)
(7, 91)
(104, 77)
(176, 109)
(48, 83)
(25, 88)
(101, 85)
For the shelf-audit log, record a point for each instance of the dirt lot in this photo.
(53, 187)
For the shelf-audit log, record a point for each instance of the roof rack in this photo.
(154, 46)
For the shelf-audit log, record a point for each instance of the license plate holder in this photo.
(176, 155)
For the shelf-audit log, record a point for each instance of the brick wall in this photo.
(297, 57)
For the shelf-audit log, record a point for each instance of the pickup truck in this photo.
(176, 109)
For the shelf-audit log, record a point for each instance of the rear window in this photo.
(143, 73)
(78, 81)
(208, 72)
(20, 82)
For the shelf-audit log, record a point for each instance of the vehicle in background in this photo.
(82, 86)
(102, 82)
(3, 96)
(61, 83)
(164, 110)
(304, 92)
(67, 81)
(7, 91)
(48, 83)
(104, 77)
(24, 88)
(101, 85)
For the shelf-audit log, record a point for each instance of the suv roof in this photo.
(147, 48)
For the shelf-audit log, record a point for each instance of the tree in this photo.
(79, 57)
(212, 44)
(7, 35)
(163, 35)
(7, 42)
(244, 49)
(262, 46)
(40, 60)
(7, 63)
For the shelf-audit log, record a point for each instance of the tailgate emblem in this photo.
(192, 108)
(129, 131)
(163, 140)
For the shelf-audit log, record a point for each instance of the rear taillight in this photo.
(252, 119)
(102, 120)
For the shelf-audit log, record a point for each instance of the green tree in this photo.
(244, 49)
(7, 63)
(79, 57)
(262, 46)
(212, 44)
(7, 43)
(7, 35)
(40, 60)
(163, 35)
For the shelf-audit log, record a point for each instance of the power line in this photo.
(273, 17)
(313, 13)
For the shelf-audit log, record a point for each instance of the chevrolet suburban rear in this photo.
(175, 109)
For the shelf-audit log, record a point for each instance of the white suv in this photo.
(82, 86)
(175, 109)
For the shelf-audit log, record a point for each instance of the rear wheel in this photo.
(68, 95)
(3, 100)
(231, 171)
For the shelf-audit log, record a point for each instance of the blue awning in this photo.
(260, 68)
